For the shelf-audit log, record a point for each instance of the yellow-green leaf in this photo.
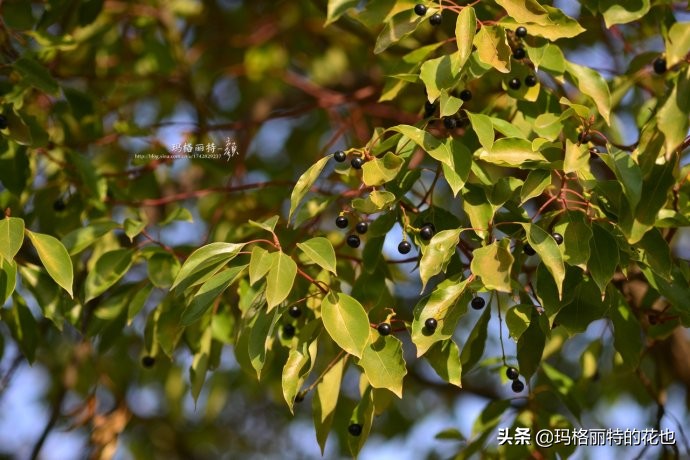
(11, 237)
(280, 279)
(346, 322)
(55, 259)
(493, 264)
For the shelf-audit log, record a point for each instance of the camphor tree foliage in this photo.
(421, 202)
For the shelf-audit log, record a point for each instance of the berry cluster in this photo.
(340, 156)
(517, 386)
(352, 240)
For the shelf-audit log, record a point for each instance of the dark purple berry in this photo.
(362, 227)
(512, 373)
(521, 32)
(419, 9)
(384, 329)
(429, 109)
(357, 163)
(59, 205)
(3, 122)
(519, 53)
(465, 95)
(148, 361)
(430, 324)
(340, 156)
(427, 231)
(450, 122)
(295, 311)
(558, 237)
(435, 19)
(404, 247)
(514, 84)
(517, 386)
(341, 222)
(353, 241)
(288, 331)
(529, 250)
(530, 80)
(355, 429)
(478, 303)
(659, 65)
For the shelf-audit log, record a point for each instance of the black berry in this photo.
(148, 361)
(59, 205)
(530, 80)
(558, 237)
(429, 109)
(478, 303)
(384, 328)
(659, 65)
(353, 241)
(529, 250)
(404, 247)
(512, 373)
(362, 227)
(519, 53)
(465, 95)
(295, 311)
(521, 32)
(427, 231)
(340, 156)
(514, 83)
(355, 429)
(435, 19)
(517, 386)
(419, 9)
(288, 331)
(341, 222)
(299, 397)
(430, 324)
(3, 122)
(450, 122)
(357, 163)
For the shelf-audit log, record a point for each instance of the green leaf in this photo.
(627, 172)
(396, 28)
(483, 128)
(55, 259)
(320, 251)
(603, 258)
(261, 337)
(518, 319)
(513, 152)
(304, 183)
(437, 75)
(672, 117)
(677, 43)
(576, 238)
(299, 364)
(548, 250)
(616, 12)
(576, 157)
(363, 415)
(436, 148)
(162, 268)
(280, 279)
(108, 270)
(493, 264)
(81, 238)
(133, 228)
(376, 201)
(446, 304)
(437, 254)
(465, 29)
(200, 364)
(591, 84)
(530, 346)
(325, 401)
(346, 322)
(656, 253)
(457, 175)
(542, 20)
(383, 363)
(627, 332)
(548, 57)
(476, 206)
(536, 182)
(260, 263)
(492, 48)
(381, 170)
(337, 8)
(587, 306)
(209, 292)
(22, 326)
(444, 357)
(209, 258)
(8, 279)
(473, 349)
(11, 237)
(448, 105)
(36, 75)
(269, 224)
